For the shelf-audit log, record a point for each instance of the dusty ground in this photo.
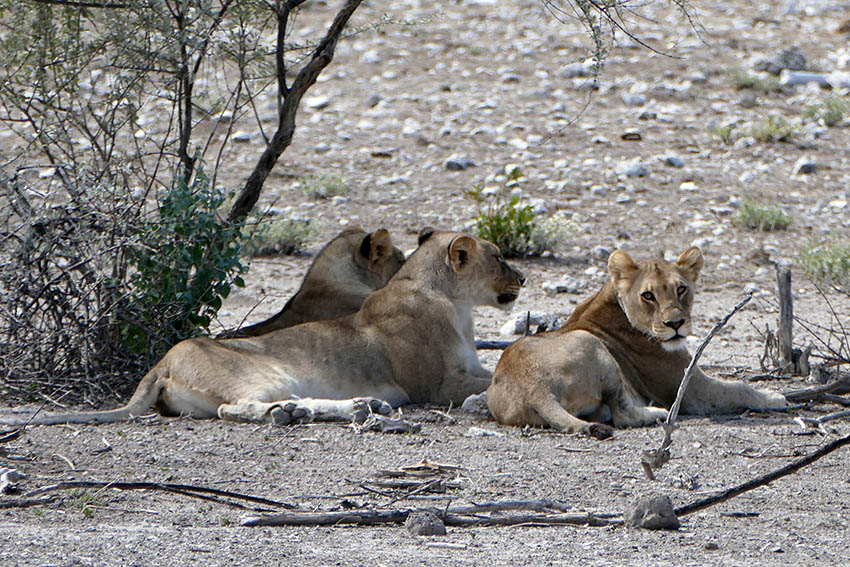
(485, 81)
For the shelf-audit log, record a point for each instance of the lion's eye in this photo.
(682, 290)
(648, 296)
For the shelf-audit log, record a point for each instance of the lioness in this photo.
(621, 351)
(349, 268)
(412, 341)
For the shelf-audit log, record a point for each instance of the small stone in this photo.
(637, 170)
(424, 523)
(791, 58)
(242, 137)
(600, 252)
(631, 135)
(317, 102)
(481, 432)
(804, 165)
(654, 513)
(633, 99)
(747, 177)
(711, 546)
(688, 186)
(565, 285)
(459, 163)
(647, 115)
(674, 161)
(574, 70)
(373, 100)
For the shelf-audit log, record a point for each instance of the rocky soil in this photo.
(413, 116)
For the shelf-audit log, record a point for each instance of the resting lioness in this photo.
(349, 268)
(621, 351)
(412, 341)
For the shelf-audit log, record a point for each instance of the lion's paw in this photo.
(774, 400)
(290, 412)
(599, 430)
(654, 415)
(364, 407)
(476, 404)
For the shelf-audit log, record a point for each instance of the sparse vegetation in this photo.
(184, 265)
(280, 236)
(827, 262)
(762, 82)
(831, 109)
(772, 128)
(723, 131)
(762, 217)
(553, 231)
(323, 186)
(515, 227)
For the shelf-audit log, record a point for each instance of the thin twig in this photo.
(185, 489)
(653, 460)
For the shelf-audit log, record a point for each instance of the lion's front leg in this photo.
(286, 412)
(706, 395)
(280, 413)
(354, 409)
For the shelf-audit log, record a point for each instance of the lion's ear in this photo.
(621, 267)
(462, 250)
(377, 246)
(424, 234)
(690, 262)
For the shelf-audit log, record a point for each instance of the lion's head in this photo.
(477, 270)
(656, 295)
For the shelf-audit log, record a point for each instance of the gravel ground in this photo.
(488, 84)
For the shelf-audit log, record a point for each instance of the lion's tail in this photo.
(146, 394)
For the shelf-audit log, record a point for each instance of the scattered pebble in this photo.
(424, 523)
(805, 165)
(459, 163)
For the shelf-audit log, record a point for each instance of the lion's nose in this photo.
(521, 278)
(675, 324)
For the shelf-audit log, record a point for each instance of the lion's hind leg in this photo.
(557, 417)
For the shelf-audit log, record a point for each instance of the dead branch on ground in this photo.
(762, 480)
(202, 492)
(548, 513)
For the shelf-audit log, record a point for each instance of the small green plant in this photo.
(514, 227)
(772, 128)
(510, 226)
(282, 236)
(323, 186)
(185, 263)
(831, 109)
(762, 82)
(827, 262)
(226, 522)
(764, 218)
(86, 502)
(723, 131)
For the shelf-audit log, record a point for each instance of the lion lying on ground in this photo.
(348, 269)
(621, 351)
(412, 341)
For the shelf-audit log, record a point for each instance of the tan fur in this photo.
(412, 341)
(621, 352)
(344, 273)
